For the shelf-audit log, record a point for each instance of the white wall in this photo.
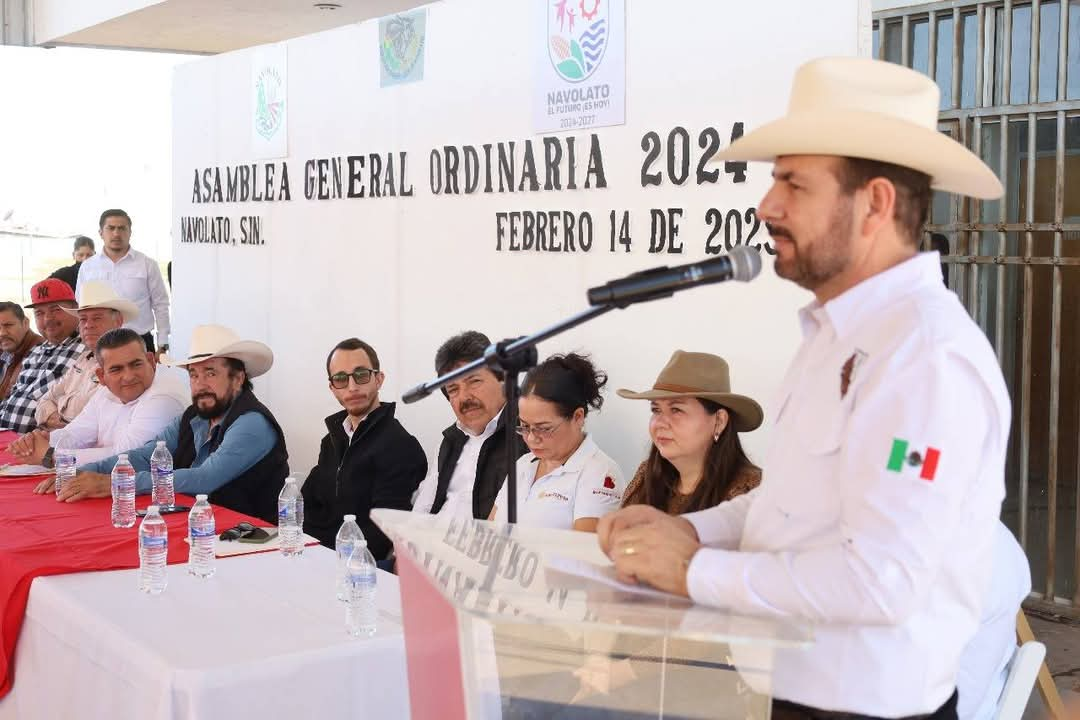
(406, 273)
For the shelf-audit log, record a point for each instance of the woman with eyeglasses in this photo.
(696, 460)
(565, 480)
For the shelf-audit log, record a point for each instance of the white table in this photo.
(264, 638)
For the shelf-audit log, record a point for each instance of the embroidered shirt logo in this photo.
(903, 459)
(847, 373)
(609, 483)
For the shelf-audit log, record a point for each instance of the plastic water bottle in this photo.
(202, 534)
(161, 472)
(290, 505)
(360, 577)
(123, 493)
(153, 549)
(348, 538)
(64, 461)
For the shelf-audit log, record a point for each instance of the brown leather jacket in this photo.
(14, 365)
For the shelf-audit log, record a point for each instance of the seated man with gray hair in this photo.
(100, 311)
(136, 402)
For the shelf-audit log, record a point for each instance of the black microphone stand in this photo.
(511, 357)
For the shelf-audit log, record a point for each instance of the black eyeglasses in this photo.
(360, 376)
(242, 530)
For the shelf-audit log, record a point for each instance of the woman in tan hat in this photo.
(696, 460)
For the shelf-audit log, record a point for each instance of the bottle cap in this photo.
(290, 480)
(121, 456)
(153, 510)
(350, 518)
(161, 443)
(200, 498)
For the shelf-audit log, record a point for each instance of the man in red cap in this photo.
(47, 362)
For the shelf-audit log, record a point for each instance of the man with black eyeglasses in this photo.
(367, 459)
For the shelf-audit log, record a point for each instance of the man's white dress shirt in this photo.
(107, 426)
(880, 496)
(460, 488)
(136, 277)
(588, 485)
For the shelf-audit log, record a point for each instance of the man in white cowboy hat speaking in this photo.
(100, 311)
(882, 487)
(227, 444)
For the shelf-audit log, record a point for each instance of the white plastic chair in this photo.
(1018, 685)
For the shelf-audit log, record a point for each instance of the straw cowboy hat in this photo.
(211, 341)
(870, 109)
(101, 295)
(701, 375)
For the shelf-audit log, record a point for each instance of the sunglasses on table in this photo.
(360, 376)
(241, 530)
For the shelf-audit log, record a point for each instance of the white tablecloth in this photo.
(264, 638)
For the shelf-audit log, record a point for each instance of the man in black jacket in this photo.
(472, 463)
(367, 459)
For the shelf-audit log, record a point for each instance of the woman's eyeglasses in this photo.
(539, 431)
(360, 376)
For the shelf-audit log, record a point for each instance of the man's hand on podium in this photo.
(649, 546)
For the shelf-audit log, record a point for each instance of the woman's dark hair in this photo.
(569, 381)
(724, 461)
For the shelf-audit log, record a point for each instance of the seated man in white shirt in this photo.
(471, 464)
(984, 665)
(137, 401)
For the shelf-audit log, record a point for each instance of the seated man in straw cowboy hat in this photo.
(226, 444)
(875, 518)
(100, 311)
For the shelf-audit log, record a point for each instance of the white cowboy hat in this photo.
(870, 109)
(97, 294)
(211, 341)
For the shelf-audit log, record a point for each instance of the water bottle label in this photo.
(202, 532)
(153, 543)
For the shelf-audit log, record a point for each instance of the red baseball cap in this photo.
(50, 291)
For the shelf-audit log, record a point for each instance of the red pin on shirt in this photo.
(609, 483)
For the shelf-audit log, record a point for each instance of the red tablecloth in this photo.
(39, 536)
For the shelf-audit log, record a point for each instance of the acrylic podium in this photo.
(503, 621)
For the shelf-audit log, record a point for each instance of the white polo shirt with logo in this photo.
(588, 485)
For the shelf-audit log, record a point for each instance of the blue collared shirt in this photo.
(249, 438)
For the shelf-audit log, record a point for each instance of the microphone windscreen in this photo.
(745, 263)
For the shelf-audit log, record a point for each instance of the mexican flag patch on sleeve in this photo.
(904, 459)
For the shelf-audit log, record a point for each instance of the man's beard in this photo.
(823, 259)
(216, 410)
(366, 409)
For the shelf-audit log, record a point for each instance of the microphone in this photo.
(742, 263)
